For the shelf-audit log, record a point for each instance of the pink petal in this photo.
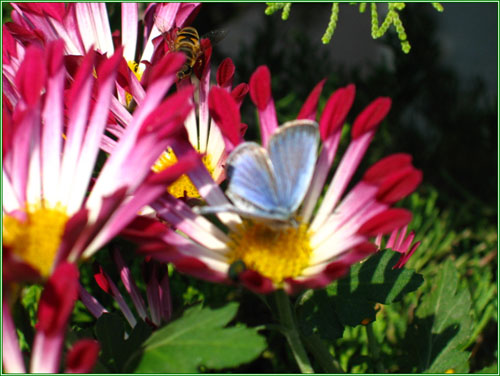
(405, 257)
(83, 356)
(184, 164)
(226, 114)
(72, 231)
(239, 93)
(129, 283)
(379, 171)
(385, 222)
(199, 269)
(186, 13)
(225, 73)
(171, 112)
(11, 353)
(399, 185)
(91, 303)
(371, 116)
(30, 78)
(165, 16)
(256, 282)
(168, 65)
(336, 110)
(260, 87)
(308, 110)
(130, 20)
(333, 270)
(57, 300)
(101, 280)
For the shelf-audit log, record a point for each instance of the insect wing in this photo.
(293, 153)
(252, 186)
(215, 36)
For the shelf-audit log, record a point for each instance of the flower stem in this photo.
(291, 331)
(321, 353)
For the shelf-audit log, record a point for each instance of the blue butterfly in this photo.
(269, 185)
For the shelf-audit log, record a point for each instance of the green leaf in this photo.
(374, 280)
(443, 325)
(490, 369)
(317, 316)
(199, 339)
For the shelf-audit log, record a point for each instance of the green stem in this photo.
(291, 331)
(321, 353)
(374, 349)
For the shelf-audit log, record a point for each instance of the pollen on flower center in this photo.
(182, 187)
(275, 253)
(36, 240)
(138, 71)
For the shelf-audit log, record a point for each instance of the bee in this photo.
(187, 41)
(190, 44)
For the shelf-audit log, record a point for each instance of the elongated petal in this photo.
(260, 92)
(82, 356)
(308, 110)
(31, 75)
(255, 282)
(335, 112)
(225, 74)
(11, 352)
(385, 222)
(130, 19)
(371, 116)
(226, 114)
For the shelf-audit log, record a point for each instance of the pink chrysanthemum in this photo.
(85, 26)
(51, 144)
(329, 237)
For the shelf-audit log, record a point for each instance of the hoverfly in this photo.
(188, 41)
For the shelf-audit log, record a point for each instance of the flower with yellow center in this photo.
(36, 239)
(182, 187)
(49, 213)
(276, 254)
(269, 236)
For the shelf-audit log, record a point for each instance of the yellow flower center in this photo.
(138, 71)
(183, 186)
(36, 240)
(275, 253)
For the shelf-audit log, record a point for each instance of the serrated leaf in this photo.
(199, 338)
(317, 316)
(353, 297)
(442, 326)
(375, 280)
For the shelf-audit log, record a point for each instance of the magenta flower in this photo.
(85, 26)
(399, 242)
(55, 307)
(325, 242)
(54, 209)
(204, 135)
(157, 292)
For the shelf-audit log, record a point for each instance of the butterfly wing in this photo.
(293, 153)
(252, 185)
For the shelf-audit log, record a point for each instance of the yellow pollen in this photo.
(183, 186)
(36, 240)
(275, 253)
(138, 71)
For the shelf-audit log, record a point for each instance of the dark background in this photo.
(444, 91)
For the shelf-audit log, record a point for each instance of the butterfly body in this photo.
(268, 185)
